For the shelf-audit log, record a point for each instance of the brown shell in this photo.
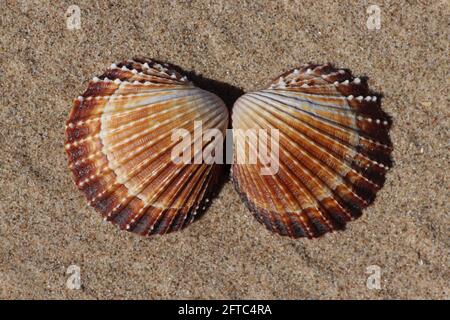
(118, 143)
(334, 150)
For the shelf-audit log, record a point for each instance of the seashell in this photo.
(333, 154)
(119, 143)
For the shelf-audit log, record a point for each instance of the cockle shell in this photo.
(118, 142)
(334, 150)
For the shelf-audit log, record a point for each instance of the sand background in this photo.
(46, 225)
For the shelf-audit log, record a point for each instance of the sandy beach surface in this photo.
(46, 225)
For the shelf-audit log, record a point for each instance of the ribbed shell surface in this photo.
(119, 146)
(334, 150)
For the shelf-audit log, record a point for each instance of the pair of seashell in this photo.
(334, 148)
